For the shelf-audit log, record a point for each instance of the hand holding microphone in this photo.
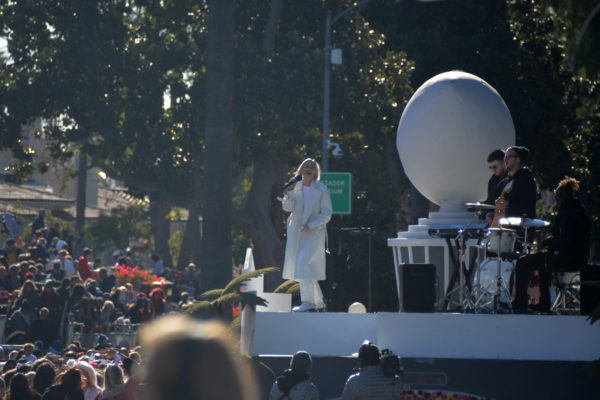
(292, 182)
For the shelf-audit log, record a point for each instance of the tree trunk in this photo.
(216, 241)
(160, 228)
(81, 191)
(191, 238)
(255, 219)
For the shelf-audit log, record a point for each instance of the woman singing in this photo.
(310, 207)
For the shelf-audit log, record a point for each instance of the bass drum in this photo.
(488, 272)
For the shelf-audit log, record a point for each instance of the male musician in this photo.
(496, 164)
(568, 247)
(520, 195)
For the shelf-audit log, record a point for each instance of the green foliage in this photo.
(289, 286)
(123, 224)
(97, 72)
(174, 243)
(218, 302)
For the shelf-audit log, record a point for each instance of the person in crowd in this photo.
(66, 263)
(188, 359)
(20, 390)
(21, 319)
(191, 276)
(295, 382)
(310, 206)
(159, 265)
(106, 281)
(132, 386)
(38, 223)
(44, 377)
(141, 310)
(4, 281)
(38, 250)
(43, 328)
(370, 382)
(158, 299)
(91, 287)
(29, 292)
(107, 316)
(89, 380)
(2, 388)
(56, 273)
(11, 252)
(54, 232)
(113, 383)
(14, 277)
(28, 353)
(184, 301)
(83, 266)
(69, 387)
(568, 248)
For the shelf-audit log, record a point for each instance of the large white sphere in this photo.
(448, 128)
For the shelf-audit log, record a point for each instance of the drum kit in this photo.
(489, 291)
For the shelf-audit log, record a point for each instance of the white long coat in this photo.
(305, 251)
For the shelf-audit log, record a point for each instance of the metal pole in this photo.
(370, 297)
(326, 93)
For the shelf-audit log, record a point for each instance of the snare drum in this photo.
(507, 240)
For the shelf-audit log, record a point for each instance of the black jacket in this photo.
(60, 392)
(522, 196)
(494, 188)
(569, 246)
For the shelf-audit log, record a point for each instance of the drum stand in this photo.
(500, 285)
(464, 298)
(479, 294)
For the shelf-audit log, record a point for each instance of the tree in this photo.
(98, 73)
(216, 243)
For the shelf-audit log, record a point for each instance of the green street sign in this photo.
(340, 188)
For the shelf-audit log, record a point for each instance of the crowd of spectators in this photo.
(47, 292)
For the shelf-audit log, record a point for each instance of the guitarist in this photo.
(520, 200)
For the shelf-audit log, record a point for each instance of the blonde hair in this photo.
(307, 161)
(193, 360)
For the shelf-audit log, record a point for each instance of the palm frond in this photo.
(235, 326)
(242, 298)
(211, 294)
(201, 309)
(594, 315)
(237, 282)
(289, 286)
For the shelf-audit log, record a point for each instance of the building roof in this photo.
(29, 196)
(26, 199)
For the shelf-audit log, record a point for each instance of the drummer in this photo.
(568, 247)
(521, 198)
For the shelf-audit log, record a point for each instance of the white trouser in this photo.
(310, 292)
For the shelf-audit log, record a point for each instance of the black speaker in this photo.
(590, 295)
(416, 284)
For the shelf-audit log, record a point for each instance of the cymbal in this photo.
(479, 205)
(500, 229)
(535, 223)
(511, 221)
(524, 222)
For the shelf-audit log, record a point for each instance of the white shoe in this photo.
(304, 307)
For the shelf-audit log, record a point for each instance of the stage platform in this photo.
(430, 335)
(500, 356)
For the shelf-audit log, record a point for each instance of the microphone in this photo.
(292, 181)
